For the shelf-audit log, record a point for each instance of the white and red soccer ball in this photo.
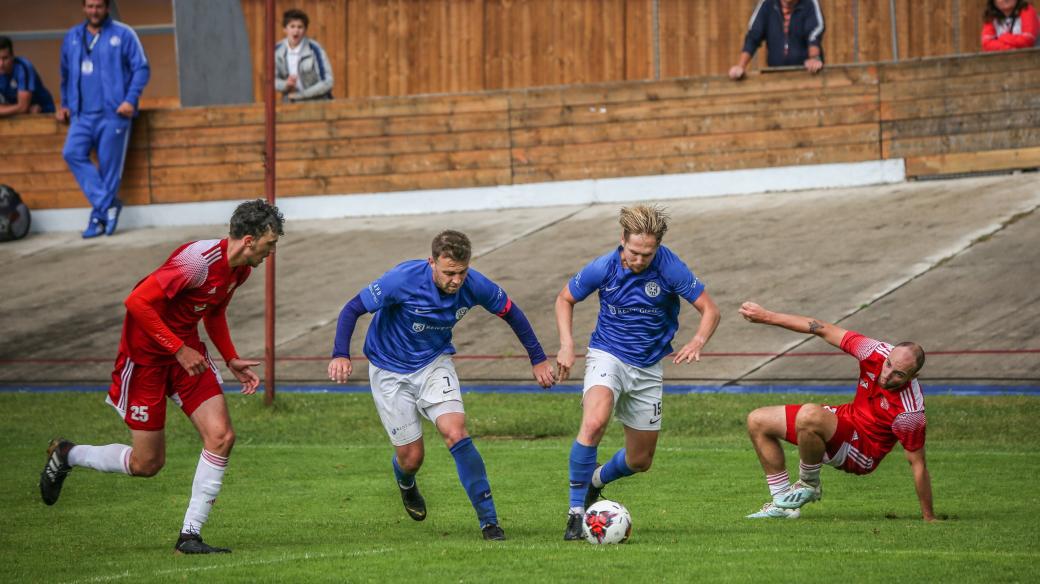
(607, 522)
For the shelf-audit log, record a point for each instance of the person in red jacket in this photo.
(1010, 25)
(161, 355)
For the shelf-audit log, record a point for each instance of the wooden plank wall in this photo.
(942, 115)
(408, 47)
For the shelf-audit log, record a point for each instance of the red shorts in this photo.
(138, 392)
(846, 450)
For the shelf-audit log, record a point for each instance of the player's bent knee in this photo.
(810, 417)
(641, 464)
(221, 442)
(146, 468)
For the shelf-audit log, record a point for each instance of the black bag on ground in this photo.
(15, 218)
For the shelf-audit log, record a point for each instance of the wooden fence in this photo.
(407, 47)
(942, 115)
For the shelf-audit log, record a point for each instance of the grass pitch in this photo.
(309, 497)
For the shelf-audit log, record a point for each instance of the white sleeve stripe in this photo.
(754, 14)
(144, 56)
(819, 18)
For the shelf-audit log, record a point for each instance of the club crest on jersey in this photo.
(114, 41)
(652, 289)
(884, 403)
(461, 313)
(418, 327)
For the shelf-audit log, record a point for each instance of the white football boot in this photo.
(797, 495)
(771, 511)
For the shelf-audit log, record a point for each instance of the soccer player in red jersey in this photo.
(161, 355)
(854, 437)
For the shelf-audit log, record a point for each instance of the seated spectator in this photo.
(302, 68)
(793, 32)
(1010, 24)
(21, 89)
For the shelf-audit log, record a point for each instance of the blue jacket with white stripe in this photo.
(119, 56)
(767, 23)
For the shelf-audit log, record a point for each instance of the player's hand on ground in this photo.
(543, 373)
(240, 368)
(690, 352)
(340, 369)
(125, 109)
(191, 360)
(753, 312)
(564, 362)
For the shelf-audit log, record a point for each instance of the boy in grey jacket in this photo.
(302, 68)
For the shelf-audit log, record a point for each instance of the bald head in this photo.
(915, 351)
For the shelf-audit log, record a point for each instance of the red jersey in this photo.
(881, 416)
(197, 282)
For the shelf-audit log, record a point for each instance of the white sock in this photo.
(809, 473)
(108, 458)
(596, 482)
(578, 510)
(209, 476)
(778, 482)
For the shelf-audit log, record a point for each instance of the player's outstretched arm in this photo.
(710, 317)
(340, 366)
(240, 368)
(565, 325)
(540, 366)
(922, 482)
(831, 333)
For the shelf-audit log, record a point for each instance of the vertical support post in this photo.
(895, 30)
(269, 188)
(656, 23)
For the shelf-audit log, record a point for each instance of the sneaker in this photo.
(113, 217)
(574, 533)
(414, 504)
(592, 495)
(94, 228)
(493, 532)
(55, 471)
(797, 495)
(191, 543)
(771, 511)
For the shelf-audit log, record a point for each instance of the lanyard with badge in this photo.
(87, 66)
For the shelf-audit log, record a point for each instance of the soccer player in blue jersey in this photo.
(640, 284)
(416, 306)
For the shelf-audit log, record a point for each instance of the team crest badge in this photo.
(652, 289)
(418, 327)
(884, 403)
(114, 41)
(461, 313)
(612, 308)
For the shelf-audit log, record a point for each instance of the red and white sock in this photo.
(777, 482)
(108, 458)
(809, 473)
(209, 476)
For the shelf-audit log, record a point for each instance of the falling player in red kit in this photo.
(888, 408)
(161, 355)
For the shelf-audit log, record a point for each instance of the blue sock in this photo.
(615, 468)
(473, 477)
(582, 464)
(404, 479)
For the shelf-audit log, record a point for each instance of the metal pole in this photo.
(269, 163)
(895, 30)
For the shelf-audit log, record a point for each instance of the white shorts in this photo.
(401, 397)
(637, 390)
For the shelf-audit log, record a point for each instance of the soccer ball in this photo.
(607, 522)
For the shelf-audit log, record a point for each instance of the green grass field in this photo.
(309, 497)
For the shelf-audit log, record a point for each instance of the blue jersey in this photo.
(24, 77)
(413, 318)
(638, 313)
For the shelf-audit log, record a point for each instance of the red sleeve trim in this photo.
(144, 304)
(506, 308)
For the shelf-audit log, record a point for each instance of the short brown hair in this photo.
(918, 353)
(295, 14)
(452, 244)
(644, 220)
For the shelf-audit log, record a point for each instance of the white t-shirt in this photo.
(292, 58)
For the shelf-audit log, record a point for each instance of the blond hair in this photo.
(644, 220)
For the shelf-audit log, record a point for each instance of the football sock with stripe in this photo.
(582, 463)
(404, 479)
(209, 477)
(615, 468)
(778, 482)
(108, 458)
(473, 476)
(809, 473)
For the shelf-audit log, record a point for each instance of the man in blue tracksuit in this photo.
(793, 32)
(21, 89)
(103, 72)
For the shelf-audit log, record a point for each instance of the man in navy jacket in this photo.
(793, 32)
(103, 72)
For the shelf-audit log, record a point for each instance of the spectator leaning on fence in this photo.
(21, 89)
(302, 68)
(1010, 24)
(792, 31)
